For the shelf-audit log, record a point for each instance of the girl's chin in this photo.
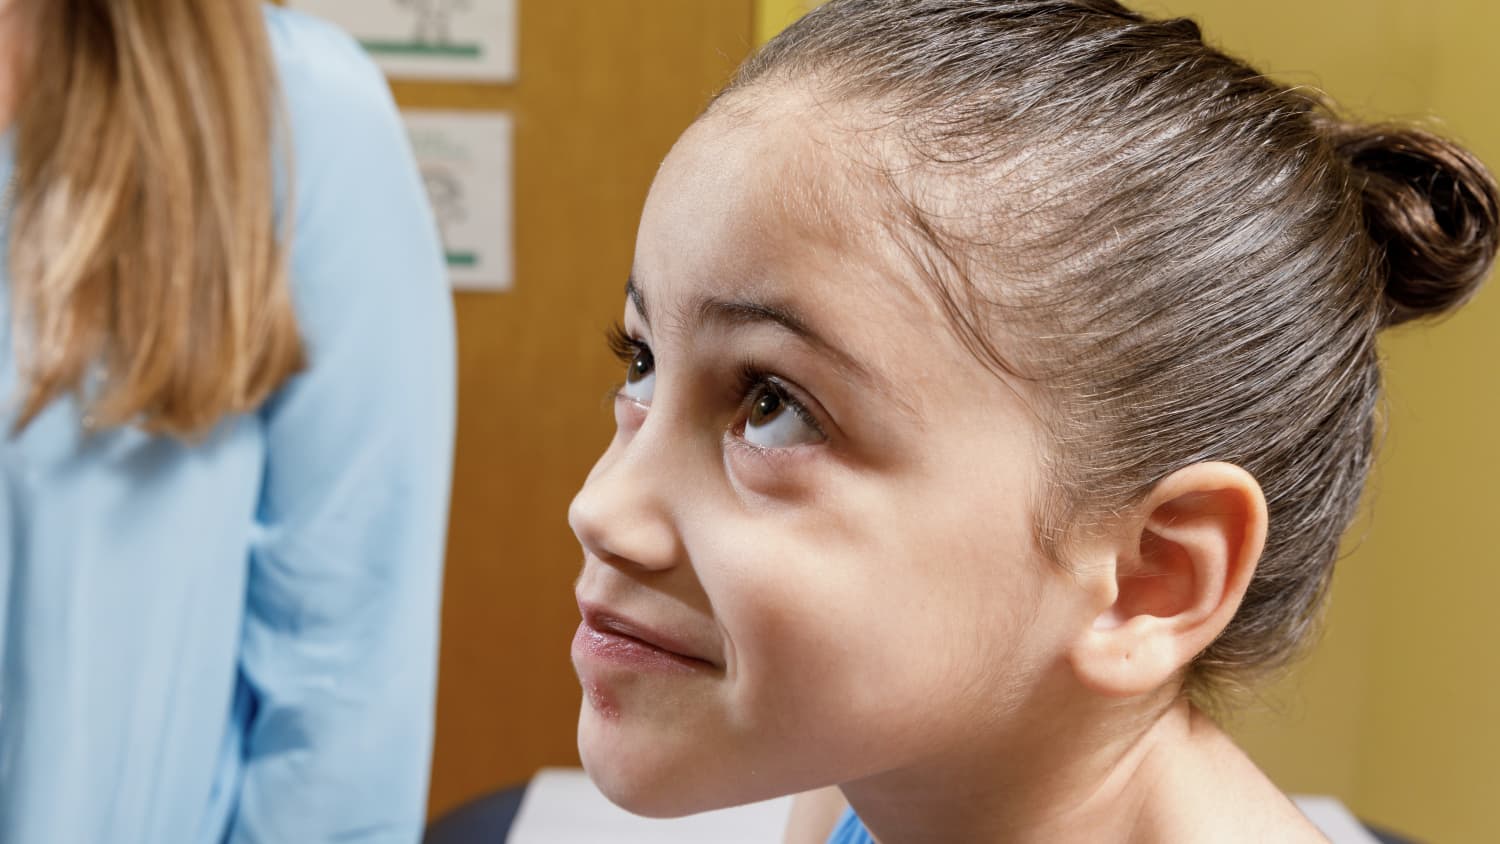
(645, 792)
(645, 774)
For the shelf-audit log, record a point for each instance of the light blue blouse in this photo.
(235, 639)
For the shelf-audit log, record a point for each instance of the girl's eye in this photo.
(640, 376)
(640, 365)
(776, 420)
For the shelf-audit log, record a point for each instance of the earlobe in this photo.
(1181, 564)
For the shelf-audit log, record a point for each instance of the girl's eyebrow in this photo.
(633, 293)
(743, 312)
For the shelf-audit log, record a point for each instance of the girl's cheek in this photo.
(788, 474)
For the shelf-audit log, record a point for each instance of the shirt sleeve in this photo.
(340, 638)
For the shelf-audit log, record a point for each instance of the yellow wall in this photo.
(771, 16)
(1396, 712)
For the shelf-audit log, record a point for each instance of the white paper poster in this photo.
(466, 163)
(430, 39)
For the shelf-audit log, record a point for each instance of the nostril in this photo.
(599, 525)
(584, 522)
(624, 513)
(624, 532)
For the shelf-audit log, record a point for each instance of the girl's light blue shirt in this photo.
(850, 830)
(235, 639)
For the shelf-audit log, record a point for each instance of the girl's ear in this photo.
(1179, 569)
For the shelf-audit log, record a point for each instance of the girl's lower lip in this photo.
(592, 644)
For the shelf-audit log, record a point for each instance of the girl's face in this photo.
(808, 551)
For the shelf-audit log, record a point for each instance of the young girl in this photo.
(1001, 377)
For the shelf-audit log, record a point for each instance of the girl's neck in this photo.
(1170, 775)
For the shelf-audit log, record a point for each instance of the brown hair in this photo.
(147, 271)
(1195, 259)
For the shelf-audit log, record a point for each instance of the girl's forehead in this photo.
(752, 193)
(750, 210)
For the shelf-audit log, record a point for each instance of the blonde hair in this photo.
(148, 275)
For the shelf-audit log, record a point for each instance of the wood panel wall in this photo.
(605, 87)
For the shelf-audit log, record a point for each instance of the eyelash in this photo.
(622, 345)
(749, 378)
(752, 378)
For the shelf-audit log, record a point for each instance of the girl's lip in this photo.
(607, 635)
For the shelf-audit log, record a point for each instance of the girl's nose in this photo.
(624, 513)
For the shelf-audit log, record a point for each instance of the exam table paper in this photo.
(561, 806)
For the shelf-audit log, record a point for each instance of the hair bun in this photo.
(1433, 208)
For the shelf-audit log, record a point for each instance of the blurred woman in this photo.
(226, 368)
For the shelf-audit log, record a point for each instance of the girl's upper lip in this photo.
(606, 620)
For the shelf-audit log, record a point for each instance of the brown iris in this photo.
(640, 366)
(767, 406)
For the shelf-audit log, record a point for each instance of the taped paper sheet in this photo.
(466, 163)
(473, 40)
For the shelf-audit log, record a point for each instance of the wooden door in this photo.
(605, 86)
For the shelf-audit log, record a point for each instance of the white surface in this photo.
(562, 807)
(466, 161)
(1336, 822)
(431, 39)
